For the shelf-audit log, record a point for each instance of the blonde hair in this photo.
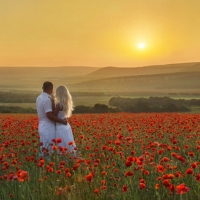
(64, 99)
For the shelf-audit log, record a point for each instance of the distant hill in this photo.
(31, 78)
(160, 77)
(68, 71)
(108, 72)
(183, 81)
(195, 67)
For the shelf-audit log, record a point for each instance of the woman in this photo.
(63, 109)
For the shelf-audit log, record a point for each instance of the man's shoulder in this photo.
(39, 97)
(42, 96)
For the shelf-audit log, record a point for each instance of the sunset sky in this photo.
(99, 33)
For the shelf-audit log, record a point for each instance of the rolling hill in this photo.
(108, 72)
(170, 82)
(31, 78)
(69, 71)
(182, 76)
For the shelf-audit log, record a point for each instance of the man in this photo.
(47, 119)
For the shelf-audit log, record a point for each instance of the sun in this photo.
(141, 45)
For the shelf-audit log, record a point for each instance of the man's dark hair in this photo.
(47, 85)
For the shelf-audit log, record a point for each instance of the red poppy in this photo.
(104, 173)
(89, 177)
(68, 174)
(142, 181)
(117, 142)
(58, 140)
(171, 187)
(166, 182)
(22, 175)
(103, 182)
(67, 170)
(146, 172)
(124, 188)
(128, 163)
(142, 186)
(165, 159)
(96, 191)
(181, 189)
(160, 168)
(198, 177)
(129, 173)
(54, 141)
(70, 143)
(194, 165)
(178, 174)
(60, 190)
(157, 186)
(11, 195)
(180, 158)
(51, 164)
(103, 187)
(170, 176)
(191, 153)
(76, 166)
(189, 171)
(58, 171)
(62, 163)
(50, 169)
(54, 147)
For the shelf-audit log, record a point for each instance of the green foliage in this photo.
(14, 97)
(16, 109)
(118, 104)
(153, 104)
(97, 108)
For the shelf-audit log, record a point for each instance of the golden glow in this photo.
(141, 45)
(98, 33)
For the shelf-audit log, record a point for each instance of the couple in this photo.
(53, 125)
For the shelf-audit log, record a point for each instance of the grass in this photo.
(195, 109)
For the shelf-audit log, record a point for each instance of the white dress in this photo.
(65, 133)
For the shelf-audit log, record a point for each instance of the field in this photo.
(120, 156)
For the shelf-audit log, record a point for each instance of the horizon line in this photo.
(100, 67)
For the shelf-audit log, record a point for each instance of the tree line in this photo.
(153, 104)
(120, 104)
(97, 108)
(16, 109)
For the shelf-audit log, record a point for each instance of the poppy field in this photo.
(119, 156)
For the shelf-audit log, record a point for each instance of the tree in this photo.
(100, 108)
(170, 107)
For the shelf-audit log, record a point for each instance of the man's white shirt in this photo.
(46, 127)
